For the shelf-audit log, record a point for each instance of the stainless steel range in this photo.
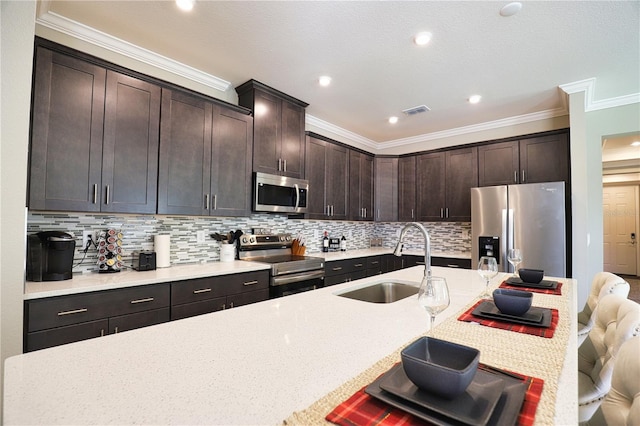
(289, 273)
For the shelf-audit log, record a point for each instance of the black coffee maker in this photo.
(50, 256)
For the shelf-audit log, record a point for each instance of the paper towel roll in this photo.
(162, 247)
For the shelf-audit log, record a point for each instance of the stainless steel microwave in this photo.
(280, 194)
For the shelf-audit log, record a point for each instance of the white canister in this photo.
(227, 252)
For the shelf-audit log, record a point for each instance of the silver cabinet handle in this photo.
(452, 265)
(95, 193)
(411, 213)
(108, 194)
(441, 213)
(331, 209)
(279, 164)
(337, 268)
(102, 332)
(446, 212)
(206, 201)
(523, 179)
(284, 162)
(250, 282)
(202, 290)
(148, 299)
(215, 201)
(378, 213)
(115, 330)
(231, 305)
(375, 262)
(515, 176)
(75, 311)
(358, 265)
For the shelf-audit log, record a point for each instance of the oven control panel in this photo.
(265, 241)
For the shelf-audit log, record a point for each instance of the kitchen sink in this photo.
(386, 291)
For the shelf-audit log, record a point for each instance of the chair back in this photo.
(603, 283)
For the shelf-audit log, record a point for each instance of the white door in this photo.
(620, 214)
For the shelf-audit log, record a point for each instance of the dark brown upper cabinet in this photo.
(386, 189)
(529, 160)
(444, 180)
(94, 144)
(278, 129)
(205, 157)
(326, 170)
(361, 181)
(407, 188)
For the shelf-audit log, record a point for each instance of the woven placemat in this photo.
(523, 353)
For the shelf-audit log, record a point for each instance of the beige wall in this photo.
(16, 45)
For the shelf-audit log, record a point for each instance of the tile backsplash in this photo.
(139, 230)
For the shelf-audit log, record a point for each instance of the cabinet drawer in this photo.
(346, 266)
(60, 311)
(138, 320)
(63, 335)
(336, 279)
(247, 298)
(450, 262)
(197, 308)
(196, 290)
(374, 262)
(250, 281)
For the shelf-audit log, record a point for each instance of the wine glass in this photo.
(433, 296)
(514, 257)
(487, 268)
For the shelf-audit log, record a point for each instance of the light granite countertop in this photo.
(254, 364)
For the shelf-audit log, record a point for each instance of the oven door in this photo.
(286, 285)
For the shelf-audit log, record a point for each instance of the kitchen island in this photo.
(256, 364)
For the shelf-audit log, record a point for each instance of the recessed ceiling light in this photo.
(185, 5)
(393, 120)
(511, 9)
(422, 38)
(474, 99)
(324, 80)
(636, 143)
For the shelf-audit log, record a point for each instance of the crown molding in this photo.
(354, 137)
(590, 104)
(90, 35)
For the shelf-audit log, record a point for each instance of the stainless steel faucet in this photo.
(427, 246)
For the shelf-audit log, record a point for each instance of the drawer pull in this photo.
(337, 268)
(358, 265)
(452, 265)
(375, 262)
(148, 299)
(420, 263)
(202, 290)
(75, 311)
(251, 282)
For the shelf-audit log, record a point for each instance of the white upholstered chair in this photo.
(616, 320)
(603, 283)
(621, 406)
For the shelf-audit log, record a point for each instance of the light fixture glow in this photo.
(474, 99)
(185, 5)
(636, 143)
(324, 80)
(511, 9)
(393, 120)
(422, 38)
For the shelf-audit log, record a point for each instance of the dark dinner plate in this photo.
(488, 310)
(517, 282)
(505, 412)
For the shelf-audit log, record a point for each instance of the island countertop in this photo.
(254, 364)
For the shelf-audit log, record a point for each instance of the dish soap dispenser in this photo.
(343, 243)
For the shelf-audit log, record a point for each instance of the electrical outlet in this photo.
(350, 235)
(86, 237)
(200, 237)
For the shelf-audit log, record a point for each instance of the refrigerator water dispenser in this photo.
(489, 246)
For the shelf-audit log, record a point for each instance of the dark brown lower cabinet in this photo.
(138, 320)
(63, 335)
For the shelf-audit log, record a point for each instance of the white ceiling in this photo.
(516, 63)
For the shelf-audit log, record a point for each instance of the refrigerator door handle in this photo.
(510, 235)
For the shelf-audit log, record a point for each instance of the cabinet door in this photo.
(366, 187)
(130, 147)
(386, 189)
(355, 205)
(247, 298)
(266, 133)
(316, 172)
(197, 308)
(544, 159)
(138, 320)
(231, 163)
(407, 188)
(430, 187)
(185, 155)
(292, 140)
(337, 181)
(67, 130)
(461, 175)
(498, 164)
(63, 335)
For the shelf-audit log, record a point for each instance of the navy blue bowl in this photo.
(531, 275)
(512, 302)
(440, 367)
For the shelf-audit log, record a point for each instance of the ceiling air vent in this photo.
(416, 110)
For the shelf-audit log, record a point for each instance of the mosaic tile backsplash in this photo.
(138, 233)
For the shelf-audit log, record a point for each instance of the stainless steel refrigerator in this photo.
(530, 217)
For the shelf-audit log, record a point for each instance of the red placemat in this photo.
(555, 291)
(505, 325)
(362, 409)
